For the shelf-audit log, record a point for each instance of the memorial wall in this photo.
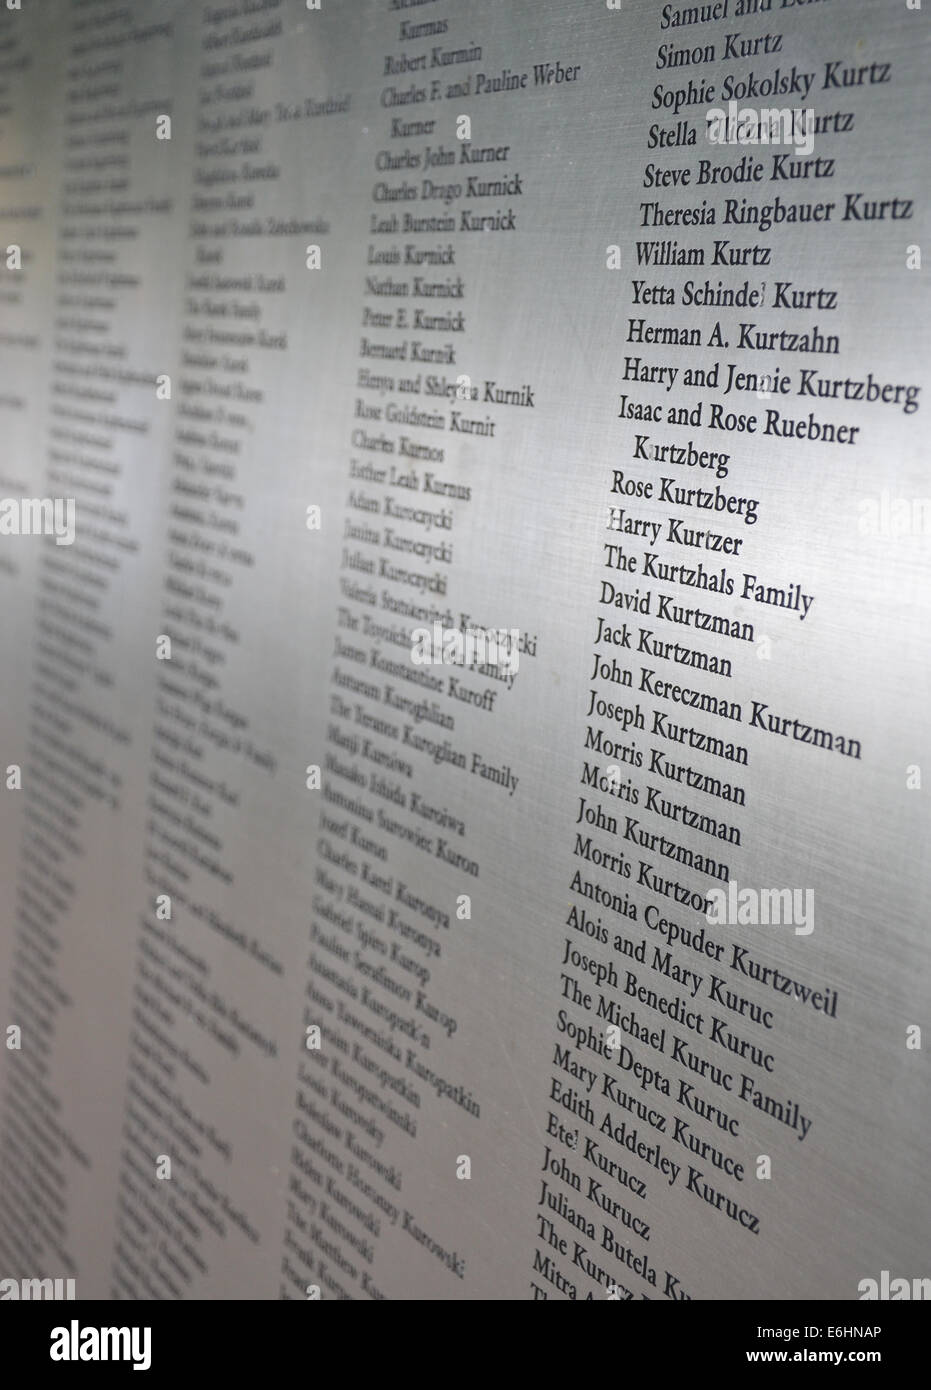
(464, 735)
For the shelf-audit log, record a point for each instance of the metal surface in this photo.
(453, 1031)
